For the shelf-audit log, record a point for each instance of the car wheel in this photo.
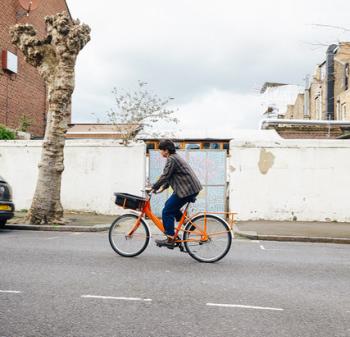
(2, 222)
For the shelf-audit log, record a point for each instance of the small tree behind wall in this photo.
(142, 108)
(54, 57)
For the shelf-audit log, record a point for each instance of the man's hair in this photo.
(167, 144)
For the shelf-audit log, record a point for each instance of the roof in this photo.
(222, 135)
(275, 99)
(99, 130)
(270, 85)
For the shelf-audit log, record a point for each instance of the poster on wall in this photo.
(210, 168)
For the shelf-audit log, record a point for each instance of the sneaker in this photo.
(168, 242)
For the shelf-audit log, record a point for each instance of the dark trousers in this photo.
(172, 211)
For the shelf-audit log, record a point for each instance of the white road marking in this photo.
(242, 306)
(10, 292)
(118, 298)
(263, 248)
(54, 237)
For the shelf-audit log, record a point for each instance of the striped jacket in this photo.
(179, 175)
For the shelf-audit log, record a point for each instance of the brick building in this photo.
(23, 94)
(325, 97)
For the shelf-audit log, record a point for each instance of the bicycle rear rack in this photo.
(230, 217)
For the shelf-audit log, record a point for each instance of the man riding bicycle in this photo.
(179, 175)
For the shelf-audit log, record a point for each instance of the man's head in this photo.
(167, 147)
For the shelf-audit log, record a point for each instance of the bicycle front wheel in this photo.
(128, 238)
(207, 238)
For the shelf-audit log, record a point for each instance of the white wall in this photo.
(284, 179)
(94, 170)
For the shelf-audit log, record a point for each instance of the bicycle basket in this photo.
(130, 201)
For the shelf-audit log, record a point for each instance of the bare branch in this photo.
(140, 107)
(344, 29)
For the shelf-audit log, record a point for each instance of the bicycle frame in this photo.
(147, 211)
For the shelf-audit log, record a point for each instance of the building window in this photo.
(346, 77)
(193, 146)
(226, 146)
(177, 145)
(318, 104)
(323, 72)
(338, 110)
(343, 111)
(150, 146)
(211, 146)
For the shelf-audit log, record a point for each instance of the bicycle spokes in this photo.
(207, 238)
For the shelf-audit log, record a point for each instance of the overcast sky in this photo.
(211, 56)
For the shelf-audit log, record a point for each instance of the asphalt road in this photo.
(71, 284)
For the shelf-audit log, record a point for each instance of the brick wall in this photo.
(24, 94)
(308, 132)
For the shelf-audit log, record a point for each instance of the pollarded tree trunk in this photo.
(55, 58)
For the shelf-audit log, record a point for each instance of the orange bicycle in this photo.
(205, 236)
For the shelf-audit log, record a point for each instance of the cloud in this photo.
(200, 51)
(220, 111)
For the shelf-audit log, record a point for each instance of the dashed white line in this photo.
(118, 298)
(10, 292)
(263, 248)
(242, 306)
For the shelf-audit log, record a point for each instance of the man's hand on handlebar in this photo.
(149, 190)
(161, 190)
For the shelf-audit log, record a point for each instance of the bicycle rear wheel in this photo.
(209, 245)
(124, 240)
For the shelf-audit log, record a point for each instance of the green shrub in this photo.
(24, 123)
(6, 134)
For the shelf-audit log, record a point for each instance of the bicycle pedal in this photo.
(181, 247)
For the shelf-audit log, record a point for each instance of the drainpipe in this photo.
(330, 81)
(307, 98)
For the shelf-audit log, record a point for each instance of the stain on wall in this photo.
(266, 161)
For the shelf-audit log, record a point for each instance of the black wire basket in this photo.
(129, 201)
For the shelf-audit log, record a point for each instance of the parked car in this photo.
(7, 207)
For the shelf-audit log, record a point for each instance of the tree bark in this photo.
(55, 58)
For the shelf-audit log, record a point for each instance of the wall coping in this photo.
(291, 143)
(71, 143)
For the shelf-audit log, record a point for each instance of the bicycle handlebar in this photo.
(149, 192)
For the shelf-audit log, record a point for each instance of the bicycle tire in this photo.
(117, 246)
(189, 246)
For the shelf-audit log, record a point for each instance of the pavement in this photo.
(75, 222)
(327, 232)
(74, 285)
(331, 232)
